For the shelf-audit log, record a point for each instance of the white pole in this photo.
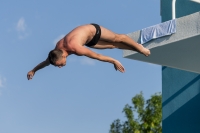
(173, 9)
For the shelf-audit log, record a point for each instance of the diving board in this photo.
(180, 50)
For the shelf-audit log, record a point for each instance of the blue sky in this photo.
(84, 96)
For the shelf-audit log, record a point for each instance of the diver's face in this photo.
(61, 62)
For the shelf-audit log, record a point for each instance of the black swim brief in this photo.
(96, 37)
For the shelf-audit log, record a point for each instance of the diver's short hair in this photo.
(54, 55)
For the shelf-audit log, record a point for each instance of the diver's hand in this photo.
(118, 66)
(30, 75)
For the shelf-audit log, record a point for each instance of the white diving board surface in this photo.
(180, 50)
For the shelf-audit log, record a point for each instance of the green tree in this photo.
(149, 116)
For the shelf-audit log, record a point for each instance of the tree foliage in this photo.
(149, 116)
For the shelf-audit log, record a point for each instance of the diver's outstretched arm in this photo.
(87, 52)
(38, 67)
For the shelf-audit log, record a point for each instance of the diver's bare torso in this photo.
(78, 36)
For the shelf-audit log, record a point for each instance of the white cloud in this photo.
(87, 61)
(21, 28)
(2, 81)
(2, 84)
(58, 38)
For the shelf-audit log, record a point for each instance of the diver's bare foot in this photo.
(145, 51)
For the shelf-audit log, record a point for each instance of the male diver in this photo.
(93, 36)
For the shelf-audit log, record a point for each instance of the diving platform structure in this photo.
(180, 50)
